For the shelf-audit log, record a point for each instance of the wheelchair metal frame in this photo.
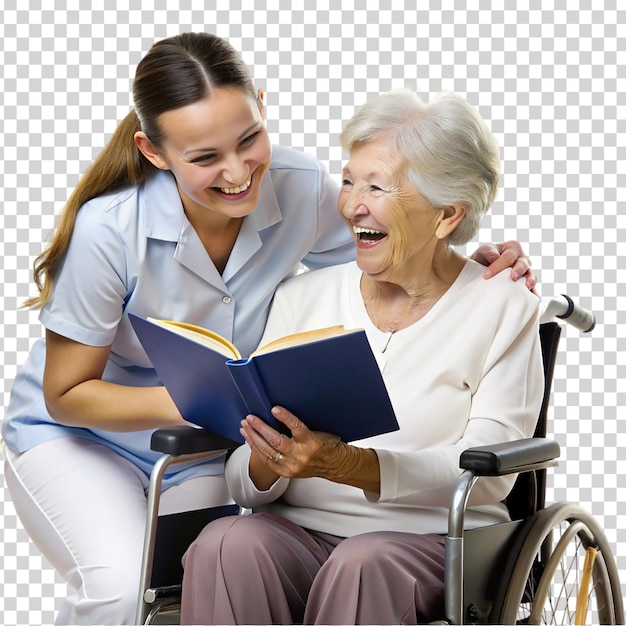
(179, 444)
(496, 460)
(524, 571)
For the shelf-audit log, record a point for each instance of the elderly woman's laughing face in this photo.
(393, 225)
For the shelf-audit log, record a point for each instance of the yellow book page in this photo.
(201, 335)
(298, 339)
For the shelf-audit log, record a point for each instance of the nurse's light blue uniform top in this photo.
(133, 251)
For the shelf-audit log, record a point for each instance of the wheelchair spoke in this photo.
(558, 593)
(559, 548)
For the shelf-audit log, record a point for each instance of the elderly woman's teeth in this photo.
(367, 234)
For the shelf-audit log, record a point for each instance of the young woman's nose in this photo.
(236, 171)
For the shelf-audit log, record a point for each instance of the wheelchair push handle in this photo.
(566, 309)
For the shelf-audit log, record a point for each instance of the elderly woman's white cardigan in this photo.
(468, 373)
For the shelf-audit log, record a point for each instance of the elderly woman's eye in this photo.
(345, 182)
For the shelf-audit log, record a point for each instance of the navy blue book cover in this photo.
(332, 385)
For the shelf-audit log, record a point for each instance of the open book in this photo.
(328, 378)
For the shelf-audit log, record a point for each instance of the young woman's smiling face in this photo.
(218, 150)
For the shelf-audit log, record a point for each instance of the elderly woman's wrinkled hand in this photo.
(303, 455)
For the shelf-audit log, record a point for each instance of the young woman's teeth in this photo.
(236, 190)
(367, 234)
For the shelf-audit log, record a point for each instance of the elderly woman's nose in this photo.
(353, 207)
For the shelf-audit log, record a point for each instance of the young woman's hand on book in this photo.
(306, 454)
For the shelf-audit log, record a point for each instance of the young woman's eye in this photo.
(204, 159)
(250, 139)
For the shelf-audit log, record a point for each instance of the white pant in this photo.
(84, 506)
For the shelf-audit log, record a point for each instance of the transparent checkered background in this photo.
(549, 77)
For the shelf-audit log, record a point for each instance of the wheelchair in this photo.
(549, 564)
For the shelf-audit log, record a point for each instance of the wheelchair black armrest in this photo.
(510, 457)
(184, 439)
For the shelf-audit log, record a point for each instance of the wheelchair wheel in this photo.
(548, 584)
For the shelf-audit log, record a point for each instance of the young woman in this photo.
(188, 213)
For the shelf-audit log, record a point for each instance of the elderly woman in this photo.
(354, 533)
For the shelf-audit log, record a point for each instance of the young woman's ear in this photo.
(146, 147)
(260, 100)
(453, 216)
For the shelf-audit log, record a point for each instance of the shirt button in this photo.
(227, 299)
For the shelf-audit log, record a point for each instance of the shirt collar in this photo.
(165, 218)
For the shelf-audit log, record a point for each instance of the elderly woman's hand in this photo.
(508, 254)
(306, 454)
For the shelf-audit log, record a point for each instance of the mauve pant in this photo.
(263, 569)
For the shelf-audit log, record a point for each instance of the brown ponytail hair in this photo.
(175, 72)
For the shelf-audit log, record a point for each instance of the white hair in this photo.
(450, 155)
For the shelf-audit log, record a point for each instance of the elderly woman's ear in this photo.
(451, 217)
